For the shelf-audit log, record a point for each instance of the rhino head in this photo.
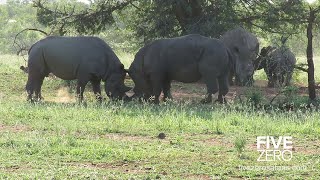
(244, 48)
(142, 87)
(261, 61)
(114, 86)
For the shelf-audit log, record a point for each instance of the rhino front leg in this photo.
(230, 77)
(156, 82)
(80, 88)
(270, 80)
(96, 89)
(288, 78)
(166, 90)
(209, 75)
(223, 88)
(212, 88)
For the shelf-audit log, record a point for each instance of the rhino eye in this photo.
(236, 49)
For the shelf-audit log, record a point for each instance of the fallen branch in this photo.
(301, 67)
(280, 92)
(21, 48)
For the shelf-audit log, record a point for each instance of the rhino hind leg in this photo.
(29, 88)
(37, 89)
(34, 83)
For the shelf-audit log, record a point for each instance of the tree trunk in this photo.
(311, 80)
(185, 16)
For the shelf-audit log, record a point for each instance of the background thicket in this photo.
(126, 25)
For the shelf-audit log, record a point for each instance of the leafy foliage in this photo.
(15, 16)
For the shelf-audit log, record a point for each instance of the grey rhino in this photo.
(186, 59)
(278, 64)
(82, 58)
(244, 47)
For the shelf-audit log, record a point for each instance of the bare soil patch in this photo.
(124, 137)
(196, 91)
(135, 138)
(64, 96)
(124, 167)
(210, 140)
(16, 128)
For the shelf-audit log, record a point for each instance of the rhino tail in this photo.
(24, 69)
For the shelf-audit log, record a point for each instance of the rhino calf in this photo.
(278, 64)
(82, 58)
(185, 59)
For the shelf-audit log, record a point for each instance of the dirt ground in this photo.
(196, 91)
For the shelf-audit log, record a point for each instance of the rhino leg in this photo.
(212, 88)
(156, 83)
(223, 88)
(230, 78)
(81, 84)
(281, 79)
(272, 81)
(37, 88)
(166, 90)
(209, 75)
(29, 87)
(34, 83)
(270, 78)
(288, 78)
(96, 88)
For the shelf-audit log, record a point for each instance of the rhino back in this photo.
(283, 57)
(181, 56)
(66, 56)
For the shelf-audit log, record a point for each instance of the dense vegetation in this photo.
(129, 34)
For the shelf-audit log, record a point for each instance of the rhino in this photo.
(278, 64)
(185, 59)
(82, 58)
(244, 47)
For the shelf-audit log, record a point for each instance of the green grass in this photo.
(116, 140)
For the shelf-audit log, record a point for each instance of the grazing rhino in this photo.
(186, 59)
(82, 58)
(278, 64)
(244, 47)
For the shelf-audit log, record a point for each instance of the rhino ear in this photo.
(236, 49)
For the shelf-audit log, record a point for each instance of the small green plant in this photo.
(240, 143)
(254, 96)
(218, 129)
(290, 92)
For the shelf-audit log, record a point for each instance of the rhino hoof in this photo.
(221, 101)
(127, 98)
(206, 101)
